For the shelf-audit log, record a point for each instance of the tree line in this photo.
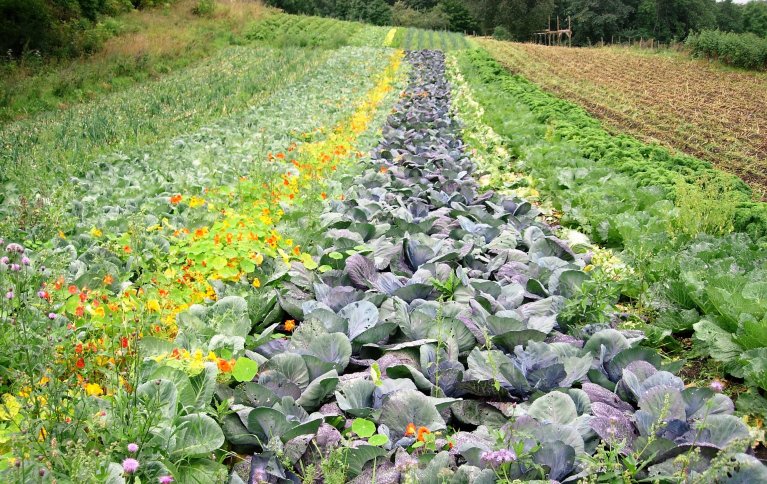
(592, 20)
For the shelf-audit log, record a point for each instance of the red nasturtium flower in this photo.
(80, 363)
(410, 430)
(79, 311)
(175, 199)
(72, 289)
(422, 431)
(79, 348)
(124, 342)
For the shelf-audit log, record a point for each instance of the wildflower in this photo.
(72, 289)
(422, 433)
(324, 195)
(79, 348)
(96, 232)
(165, 479)
(124, 342)
(25, 261)
(175, 199)
(127, 249)
(384, 169)
(410, 430)
(290, 325)
(80, 363)
(133, 447)
(256, 282)
(94, 389)
(9, 295)
(51, 315)
(79, 311)
(42, 294)
(130, 465)
(15, 268)
(13, 247)
(498, 457)
(108, 279)
(4, 260)
(717, 386)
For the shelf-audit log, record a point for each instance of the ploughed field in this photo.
(265, 269)
(687, 105)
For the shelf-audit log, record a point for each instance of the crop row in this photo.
(693, 273)
(418, 39)
(693, 108)
(38, 154)
(167, 261)
(280, 30)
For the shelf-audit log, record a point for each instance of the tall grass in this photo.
(145, 44)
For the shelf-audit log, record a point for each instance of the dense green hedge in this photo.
(747, 50)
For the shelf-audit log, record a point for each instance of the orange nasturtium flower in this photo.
(224, 365)
(422, 431)
(410, 430)
(108, 279)
(290, 325)
(175, 199)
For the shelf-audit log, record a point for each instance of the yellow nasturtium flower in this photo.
(153, 305)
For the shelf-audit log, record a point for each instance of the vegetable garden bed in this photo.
(307, 290)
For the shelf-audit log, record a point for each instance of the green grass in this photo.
(145, 45)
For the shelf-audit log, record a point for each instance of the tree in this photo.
(755, 18)
(729, 16)
(595, 20)
(461, 19)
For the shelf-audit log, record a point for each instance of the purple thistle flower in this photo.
(498, 457)
(13, 247)
(165, 479)
(25, 261)
(9, 295)
(717, 386)
(41, 294)
(130, 465)
(5, 260)
(133, 447)
(15, 267)
(51, 315)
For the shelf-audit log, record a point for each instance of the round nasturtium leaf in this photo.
(378, 440)
(363, 428)
(244, 369)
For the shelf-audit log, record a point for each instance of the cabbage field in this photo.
(346, 253)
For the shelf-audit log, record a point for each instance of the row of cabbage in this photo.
(426, 345)
(147, 303)
(696, 247)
